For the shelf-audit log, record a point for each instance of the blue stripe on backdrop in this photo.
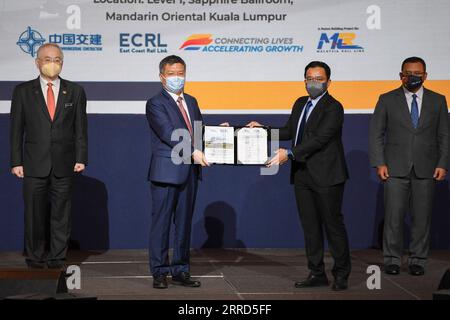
(101, 91)
(236, 207)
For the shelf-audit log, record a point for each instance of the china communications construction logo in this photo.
(30, 40)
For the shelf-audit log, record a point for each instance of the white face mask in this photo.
(51, 69)
(175, 84)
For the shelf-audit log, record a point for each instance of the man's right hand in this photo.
(382, 172)
(199, 158)
(254, 124)
(17, 171)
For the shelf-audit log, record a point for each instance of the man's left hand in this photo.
(79, 167)
(439, 174)
(279, 158)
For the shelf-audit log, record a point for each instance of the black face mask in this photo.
(413, 83)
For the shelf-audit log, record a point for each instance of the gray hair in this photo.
(47, 45)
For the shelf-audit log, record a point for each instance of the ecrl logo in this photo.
(339, 40)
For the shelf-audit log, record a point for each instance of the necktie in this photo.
(50, 101)
(303, 123)
(414, 111)
(184, 113)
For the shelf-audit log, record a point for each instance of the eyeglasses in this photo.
(316, 79)
(57, 60)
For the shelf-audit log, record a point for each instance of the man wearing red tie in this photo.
(48, 145)
(173, 185)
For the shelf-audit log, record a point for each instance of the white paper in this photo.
(219, 144)
(252, 146)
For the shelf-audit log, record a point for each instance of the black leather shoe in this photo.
(339, 284)
(184, 279)
(416, 270)
(56, 264)
(392, 269)
(35, 264)
(160, 282)
(313, 281)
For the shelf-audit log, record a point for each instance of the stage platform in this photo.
(241, 274)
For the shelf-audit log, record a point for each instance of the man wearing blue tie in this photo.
(318, 172)
(409, 146)
(173, 184)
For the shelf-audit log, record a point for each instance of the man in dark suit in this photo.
(409, 146)
(48, 145)
(173, 184)
(318, 173)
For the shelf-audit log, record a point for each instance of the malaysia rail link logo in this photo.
(208, 43)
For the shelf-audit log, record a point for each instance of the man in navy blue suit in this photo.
(173, 186)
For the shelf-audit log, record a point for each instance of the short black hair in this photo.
(315, 64)
(170, 60)
(414, 60)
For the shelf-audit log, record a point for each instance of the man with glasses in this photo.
(409, 146)
(318, 172)
(48, 146)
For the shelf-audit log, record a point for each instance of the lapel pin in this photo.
(64, 92)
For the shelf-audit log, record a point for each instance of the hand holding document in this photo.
(279, 158)
(253, 124)
(199, 158)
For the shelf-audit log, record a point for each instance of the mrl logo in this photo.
(338, 42)
(141, 43)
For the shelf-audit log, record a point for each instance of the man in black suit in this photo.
(409, 146)
(318, 173)
(48, 145)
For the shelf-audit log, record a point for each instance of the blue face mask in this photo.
(175, 84)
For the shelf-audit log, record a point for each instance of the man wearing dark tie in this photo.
(48, 145)
(409, 146)
(173, 184)
(318, 173)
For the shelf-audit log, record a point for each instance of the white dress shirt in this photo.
(183, 102)
(55, 87)
(409, 98)
(314, 103)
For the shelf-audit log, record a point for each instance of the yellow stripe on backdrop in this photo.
(362, 95)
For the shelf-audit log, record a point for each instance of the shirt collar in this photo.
(314, 101)
(419, 93)
(44, 82)
(174, 96)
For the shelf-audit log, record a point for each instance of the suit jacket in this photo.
(321, 149)
(394, 141)
(37, 143)
(164, 117)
